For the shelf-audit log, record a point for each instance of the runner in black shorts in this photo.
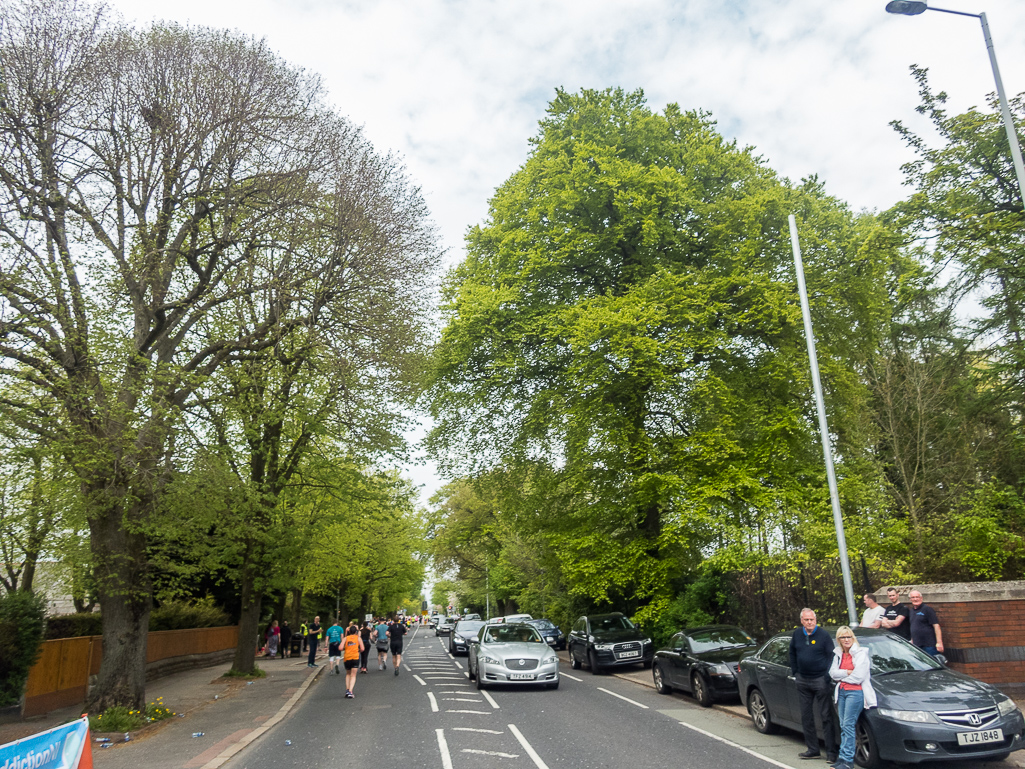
(395, 633)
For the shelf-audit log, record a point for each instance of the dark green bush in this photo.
(181, 615)
(170, 615)
(74, 625)
(21, 633)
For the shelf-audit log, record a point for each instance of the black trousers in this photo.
(313, 650)
(814, 694)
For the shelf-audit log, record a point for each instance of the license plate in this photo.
(976, 738)
(521, 676)
(624, 655)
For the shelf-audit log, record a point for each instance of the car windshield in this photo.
(469, 626)
(892, 656)
(542, 624)
(513, 634)
(611, 622)
(718, 638)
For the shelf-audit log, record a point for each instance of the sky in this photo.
(456, 87)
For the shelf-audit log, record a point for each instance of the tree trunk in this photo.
(125, 594)
(297, 604)
(248, 623)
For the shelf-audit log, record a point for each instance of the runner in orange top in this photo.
(352, 645)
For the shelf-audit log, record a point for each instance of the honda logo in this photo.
(974, 719)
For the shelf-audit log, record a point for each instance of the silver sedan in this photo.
(514, 653)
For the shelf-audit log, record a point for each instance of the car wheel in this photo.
(574, 661)
(759, 711)
(701, 691)
(480, 680)
(469, 671)
(661, 684)
(866, 747)
(592, 661)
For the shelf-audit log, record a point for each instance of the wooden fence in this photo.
(61, 675)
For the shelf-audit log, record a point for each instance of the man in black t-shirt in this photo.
(896, 618)
(396, 631)
(926, 633)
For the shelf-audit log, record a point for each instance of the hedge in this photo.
(171, 615)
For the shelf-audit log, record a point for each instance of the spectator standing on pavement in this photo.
(273, 637)
(851, 669)
(312, 636)
(334, 647)
(395, 636)
(811, 654)
(873, 615)
(353, 648)
(364, 635)
(896, 617)
(381, 640)
(926, 632)
(286, 639)
(304, 630)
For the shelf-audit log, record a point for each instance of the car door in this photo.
(578, 636)
(682, 661)
(670, 657)
(773, 670)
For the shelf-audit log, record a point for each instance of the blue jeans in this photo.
(849, 706)
(930, 650)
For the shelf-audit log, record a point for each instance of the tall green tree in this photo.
(627, 317)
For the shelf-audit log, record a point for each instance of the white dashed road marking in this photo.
(625, 699)
(735, 745)
(471, 729)
(434, 702)
(446, 757)
(490, 699)
(572, 678)
(494, 753)
(527, 748)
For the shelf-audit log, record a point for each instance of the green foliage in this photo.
(182, 615)
(122, 719)
(74, 625)
(698, 604)
(256, 672)
(21, 633)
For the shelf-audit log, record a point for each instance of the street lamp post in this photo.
(915, 7)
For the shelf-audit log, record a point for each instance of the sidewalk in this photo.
(231, 713)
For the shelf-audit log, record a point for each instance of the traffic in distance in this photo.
(922, 710)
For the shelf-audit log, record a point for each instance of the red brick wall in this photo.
(984, 625)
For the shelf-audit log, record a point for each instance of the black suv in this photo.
(608, 640)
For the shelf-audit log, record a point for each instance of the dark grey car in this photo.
(926, 711)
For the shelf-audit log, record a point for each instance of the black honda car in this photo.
(603, 641)
(926, 712)
(703, 661)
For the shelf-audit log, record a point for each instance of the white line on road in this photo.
(494, 753)
(627, 699)
(490, 699)
(407, 667)
(572, 678)
(446, 757)
(459, 699)
(458, 664)
(475, 712)
(471, 729)
(434, 702)
(422, 682)
(735, 745)
(526, 746)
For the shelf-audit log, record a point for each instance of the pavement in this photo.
(231, 713)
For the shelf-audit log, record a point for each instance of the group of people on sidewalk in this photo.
(817, 662)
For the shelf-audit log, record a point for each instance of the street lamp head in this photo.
(906, 7)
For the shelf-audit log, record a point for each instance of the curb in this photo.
(231, 750)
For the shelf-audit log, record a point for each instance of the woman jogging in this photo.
(352, 647)
(364, 636)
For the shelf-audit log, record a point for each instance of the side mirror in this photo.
(940, 658)
(475, 640)
(678, 649)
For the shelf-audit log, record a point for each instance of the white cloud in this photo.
(458, 87)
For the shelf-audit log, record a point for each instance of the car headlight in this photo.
(604, 647)
(722, 670)
(645, 641)
(488, 659)
(1007, 706)
(549, 660)
(913, 716)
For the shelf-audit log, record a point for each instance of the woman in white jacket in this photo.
(852, 671)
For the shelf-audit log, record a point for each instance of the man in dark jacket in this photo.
(286, 640)
(811, 653)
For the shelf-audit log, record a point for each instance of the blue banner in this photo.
(60, 748)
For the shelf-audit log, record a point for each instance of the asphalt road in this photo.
(432, 716)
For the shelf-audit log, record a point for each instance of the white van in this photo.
(511, 618)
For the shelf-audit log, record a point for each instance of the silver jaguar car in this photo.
(513, 653)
